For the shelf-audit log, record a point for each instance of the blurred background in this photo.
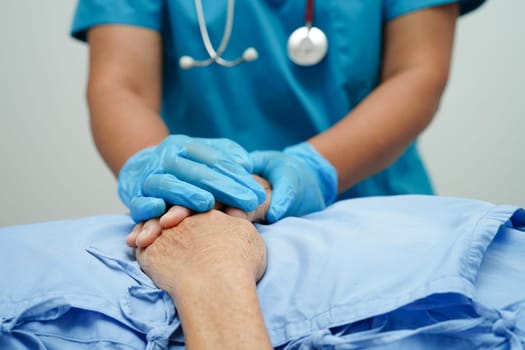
(50, 170)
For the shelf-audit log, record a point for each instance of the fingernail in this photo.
(169, 214)
(129, 241)
(142, 235)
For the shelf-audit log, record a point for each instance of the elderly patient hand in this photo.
(145, 233)
(209, 265)
(204, 244)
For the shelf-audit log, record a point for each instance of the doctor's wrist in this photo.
(324, 170)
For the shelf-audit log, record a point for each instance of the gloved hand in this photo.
(191, 172)
(302, 180)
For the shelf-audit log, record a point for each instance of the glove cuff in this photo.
(326, 173)
(127, 189)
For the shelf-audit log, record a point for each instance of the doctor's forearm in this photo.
(416, 63)
(122, 124)
(377, 132)
(124, 91)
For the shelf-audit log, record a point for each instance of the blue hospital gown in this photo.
(402, 272)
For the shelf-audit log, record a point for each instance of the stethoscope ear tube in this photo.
(187, 62)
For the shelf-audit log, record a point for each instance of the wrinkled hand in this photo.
(204, 244)
(145, 233)
(191, 172)
(302, 180)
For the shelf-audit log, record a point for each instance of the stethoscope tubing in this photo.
(215, 55)
(250, 53)
(309, 13)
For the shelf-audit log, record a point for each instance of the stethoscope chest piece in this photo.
(307, 46)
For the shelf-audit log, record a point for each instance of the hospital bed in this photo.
(402, 272)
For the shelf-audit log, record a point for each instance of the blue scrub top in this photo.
(270, 103)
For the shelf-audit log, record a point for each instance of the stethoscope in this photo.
(306, 46)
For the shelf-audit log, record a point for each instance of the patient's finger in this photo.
(177, 213)
(132, 237)
(174, 216)
(150, 231)
(258, 215)
(238, 213)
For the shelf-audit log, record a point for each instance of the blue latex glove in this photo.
(302, 180)
(191, 172)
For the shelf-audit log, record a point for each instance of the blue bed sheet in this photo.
(402, 272)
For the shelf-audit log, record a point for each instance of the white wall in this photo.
(476, 146)
(49, 168)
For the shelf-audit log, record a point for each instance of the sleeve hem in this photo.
(79, 30)
(405, 7)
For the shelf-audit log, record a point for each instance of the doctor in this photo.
(324, 100)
